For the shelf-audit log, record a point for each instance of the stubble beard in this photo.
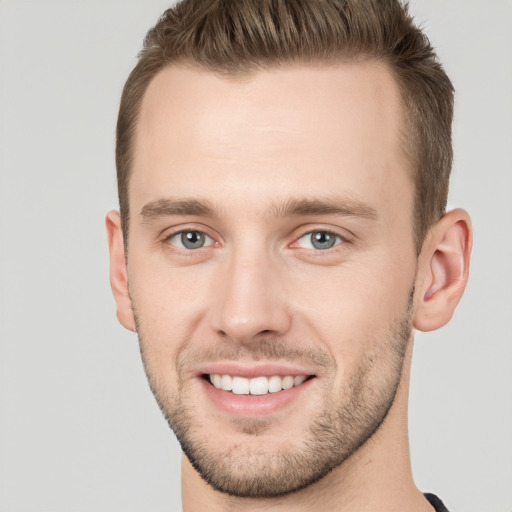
(347, 421)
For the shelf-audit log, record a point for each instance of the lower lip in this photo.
(254, 405)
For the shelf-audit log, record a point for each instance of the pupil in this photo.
(322, 240)
(192, 239)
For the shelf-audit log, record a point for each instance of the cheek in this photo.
(168, 306)
(351, 309)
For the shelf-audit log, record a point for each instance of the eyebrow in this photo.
(331, 205)
(169, 207)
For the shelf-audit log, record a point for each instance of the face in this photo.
(271, 264)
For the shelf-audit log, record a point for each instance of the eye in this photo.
(319, 240)
(190, 240)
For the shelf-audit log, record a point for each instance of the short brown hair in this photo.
(237, 37)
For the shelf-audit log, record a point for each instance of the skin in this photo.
(245, 149)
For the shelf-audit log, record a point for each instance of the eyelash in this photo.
(168, 239)
(339, 240)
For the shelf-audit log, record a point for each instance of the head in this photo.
(238, 38)
(283, 170)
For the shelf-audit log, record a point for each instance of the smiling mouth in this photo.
(257, 385)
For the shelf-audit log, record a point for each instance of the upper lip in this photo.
(250, 371)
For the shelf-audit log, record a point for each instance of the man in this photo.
(283, 170)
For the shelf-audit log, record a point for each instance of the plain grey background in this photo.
(79, 428)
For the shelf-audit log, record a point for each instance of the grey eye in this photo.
(322, 240)
(190, 240)
(319, 240)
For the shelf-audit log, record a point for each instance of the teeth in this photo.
(299, 380)
(226, 383)
(288, 382)
(275, 384)
(257, 385)
(217, 379)
(240, 386)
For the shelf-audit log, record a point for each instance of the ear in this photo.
(118, 272)
(443, 270)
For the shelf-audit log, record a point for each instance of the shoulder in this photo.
(435, 502)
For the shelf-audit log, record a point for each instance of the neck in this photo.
(377, 477)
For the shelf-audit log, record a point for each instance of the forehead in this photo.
(300, 130)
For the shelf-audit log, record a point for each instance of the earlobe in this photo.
(118, 271)
(443, 271)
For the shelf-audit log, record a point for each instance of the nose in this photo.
(251, 299)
